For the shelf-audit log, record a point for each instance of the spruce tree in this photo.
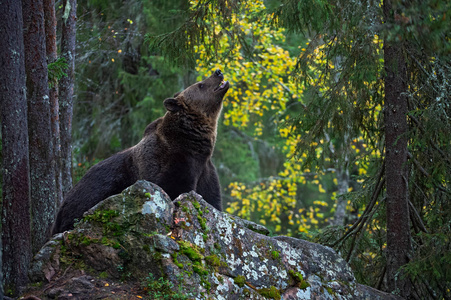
(363, 57)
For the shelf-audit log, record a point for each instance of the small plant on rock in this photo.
(162, 289)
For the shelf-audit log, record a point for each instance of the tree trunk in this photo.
(16, 221)
(42, 160)
(343, 187)
(395, 113)
(342, 177)
(51, 51)
(67, 91)
(1, 264)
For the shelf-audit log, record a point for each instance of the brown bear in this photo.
(174, 153)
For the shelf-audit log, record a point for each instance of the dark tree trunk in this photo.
(51, 51)
(1, 265)
(398, 230)
(66, 92)
(42, 160)
(16, 221)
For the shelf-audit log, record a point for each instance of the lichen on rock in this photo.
(202, 252)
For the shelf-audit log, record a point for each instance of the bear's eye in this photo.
(201, 86)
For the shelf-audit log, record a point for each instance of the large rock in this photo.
(140, 242)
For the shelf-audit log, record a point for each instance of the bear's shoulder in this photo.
(152, 127)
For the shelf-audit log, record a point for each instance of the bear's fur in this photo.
(175, 153)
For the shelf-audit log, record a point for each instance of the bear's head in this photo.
(204, 97)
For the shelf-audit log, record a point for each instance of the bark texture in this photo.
(343, 187)
(398, 231)
(51, 51)
(66, 91)
(16, 237)
(42, 160)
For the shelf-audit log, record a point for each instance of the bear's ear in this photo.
(172, 104)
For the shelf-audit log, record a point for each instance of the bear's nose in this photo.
(218, 73)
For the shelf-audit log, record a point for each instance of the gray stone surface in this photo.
(204, 253)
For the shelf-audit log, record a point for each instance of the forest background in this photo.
(302, 141)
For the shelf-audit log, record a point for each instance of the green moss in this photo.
(148, 195)
(114, 228)
(271, 292)
(275, 255)
(205, 283)
(296, 275)
(301, 283)
(157, 256)
(196, 204)
(192, 251)
(176, 262)
(67, 258)
(217, 246)
(185, 209)
(103, 275)
(240, 280)
(102, 216)
(81, 239)
(199, 269)
(86, 241)
(215, 262)
(105, 241)
(192, 254)
(202, 222)
(147, 234)
(162, 289)
(105, 218)
(329, 290)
